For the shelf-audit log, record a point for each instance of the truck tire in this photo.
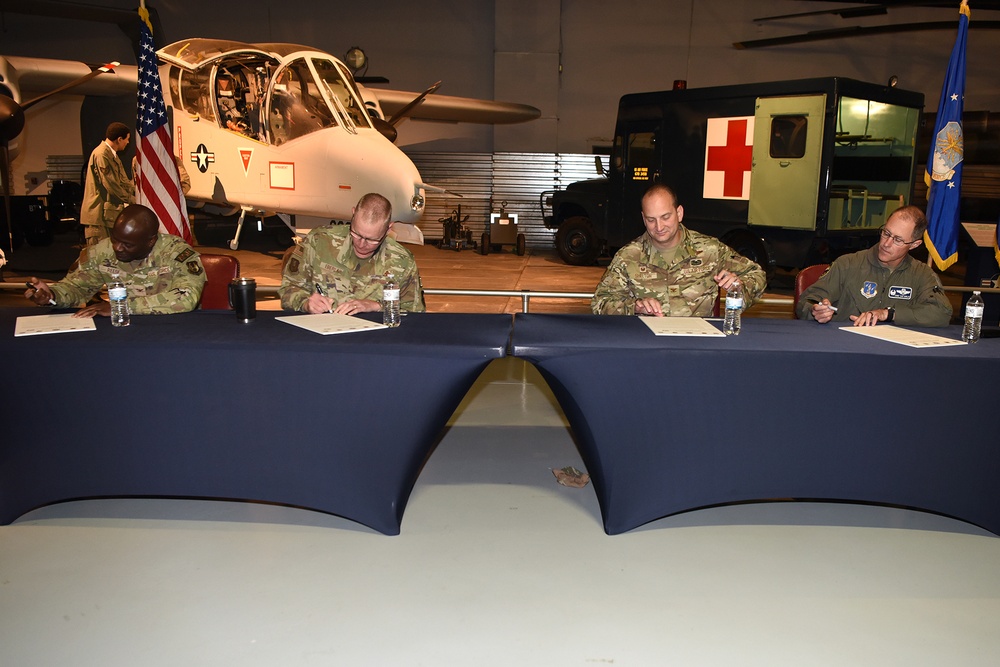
(577, 241)
(750, 246)
(519, 246)
(484, 246)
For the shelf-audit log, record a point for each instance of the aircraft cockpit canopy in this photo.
(272, 93)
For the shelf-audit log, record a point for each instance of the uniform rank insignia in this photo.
(869, 289)
(184, 255)
(898, 292)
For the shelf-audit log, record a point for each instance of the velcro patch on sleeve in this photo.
(184, 254)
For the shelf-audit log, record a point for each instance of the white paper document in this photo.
(903, 336)
(330, 323)
(680, 326)
(36, 325)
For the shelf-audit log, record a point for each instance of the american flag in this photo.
(159, 182)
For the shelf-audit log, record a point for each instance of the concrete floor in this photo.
(496, 564)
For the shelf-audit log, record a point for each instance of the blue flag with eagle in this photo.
(944, 164)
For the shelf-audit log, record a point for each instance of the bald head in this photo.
(135, 233)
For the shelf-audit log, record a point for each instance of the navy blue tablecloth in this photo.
(200, 405)
(788, 409)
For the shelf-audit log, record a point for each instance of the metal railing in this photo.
(527, 295)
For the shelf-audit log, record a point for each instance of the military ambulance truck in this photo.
(788, 173)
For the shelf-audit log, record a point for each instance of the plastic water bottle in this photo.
(118, 296)
(973, 318)
(734, 306)
(390, 301)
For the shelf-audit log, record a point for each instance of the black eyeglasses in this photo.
(898, 240)
(365, 239)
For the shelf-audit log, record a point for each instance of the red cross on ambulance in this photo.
(728, 157)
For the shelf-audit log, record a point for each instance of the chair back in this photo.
(803, 279)
(220, 270)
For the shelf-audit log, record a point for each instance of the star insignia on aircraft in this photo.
(202, 157)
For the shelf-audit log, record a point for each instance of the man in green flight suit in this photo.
(161, 272)
(107, 189)
(342, 268)
(881, 284)
(671, 270)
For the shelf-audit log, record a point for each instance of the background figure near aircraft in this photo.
(107, 188)
(162, 273)
(342, 268)
(671, 270)
(882, 283)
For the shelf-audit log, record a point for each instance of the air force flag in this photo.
(944, 164)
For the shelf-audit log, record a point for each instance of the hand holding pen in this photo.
(318, 302)
(38, 292)
(822, 311)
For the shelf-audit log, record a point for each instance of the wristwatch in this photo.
(892, 314)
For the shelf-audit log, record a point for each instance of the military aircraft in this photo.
(285, 129)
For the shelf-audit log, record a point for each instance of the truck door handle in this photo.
(784, 163)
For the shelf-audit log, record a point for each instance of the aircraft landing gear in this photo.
(288, 220)
(234, 243)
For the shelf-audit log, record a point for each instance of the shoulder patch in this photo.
(194, 267)
(293, 265)
(184, 254)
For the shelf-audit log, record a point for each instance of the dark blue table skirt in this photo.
(788, 409)
(199, 405)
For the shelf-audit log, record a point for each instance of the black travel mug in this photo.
(243, 298)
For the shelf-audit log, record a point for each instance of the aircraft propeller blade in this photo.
(384, 128)
(405, 111)
(110, 67)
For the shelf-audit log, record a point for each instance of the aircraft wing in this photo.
(447, 108)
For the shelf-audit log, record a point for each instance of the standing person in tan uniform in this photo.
(108, 189)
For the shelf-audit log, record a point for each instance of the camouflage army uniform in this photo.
(326, 257)
(107, 191)
(168, 280)
(684, 287)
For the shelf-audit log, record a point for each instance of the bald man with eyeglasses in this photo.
(882, 284)
(342, 268)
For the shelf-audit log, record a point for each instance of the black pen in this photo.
(322, 292)
(52, 302)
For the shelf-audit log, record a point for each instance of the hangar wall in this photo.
(573, 59)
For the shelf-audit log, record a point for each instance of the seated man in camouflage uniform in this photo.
(342, 268)
(162, 273)
(671, 270)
